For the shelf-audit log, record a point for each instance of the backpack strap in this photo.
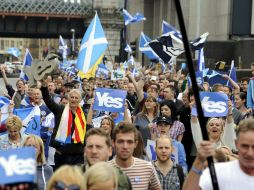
(180, 174)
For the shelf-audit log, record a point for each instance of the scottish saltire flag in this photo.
(28, 59)
(14, 51)
(18, 166)
(4, 101)
(134, 72)
(128, 18)
(30, 119)
(145, 49)
(102, 71)
(201, 60)
(232, 73)
(213, 74)
(128, 48)
(166, 28)
(4, 109)
(93, 46)
(167, 46)
(131, 60)
(199, 42)
(63, 48)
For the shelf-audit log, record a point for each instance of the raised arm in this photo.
(54, 107)
(205, 150)
(137, 85)
(4, 75)
(229, 136)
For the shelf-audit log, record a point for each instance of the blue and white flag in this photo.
(28, 59)
(63, 48)
(128, 48)
(102, 71)
(134, 72)
(4, 101)
(93, 45)
(163, 66)
(30, 119)
(199, 42)
(166, 28)
(14, 51)
(147, 50)
(18, 166)
(167, 46)
(128, 18)
(232, 73)
(110, 100)
(214, 104)
(201, 60)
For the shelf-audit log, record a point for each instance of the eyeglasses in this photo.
(59, 185)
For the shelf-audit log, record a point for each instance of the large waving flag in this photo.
(63, 48)
(93, 46)
(166, 28)
(28, 59)
(147, 50)
(14, 51)
(128, 18)
(167, 46)
(30, 119)
(92, 71)
(199, 42)
(201, 60)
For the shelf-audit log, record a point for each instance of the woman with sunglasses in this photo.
(67, 178)
(44, 171)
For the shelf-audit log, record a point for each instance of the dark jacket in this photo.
(77, 148)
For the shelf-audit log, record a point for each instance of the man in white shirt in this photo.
(234, 175)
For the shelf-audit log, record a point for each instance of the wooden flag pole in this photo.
(195, 90)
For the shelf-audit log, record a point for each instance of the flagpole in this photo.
(195, 90)
(231, 68)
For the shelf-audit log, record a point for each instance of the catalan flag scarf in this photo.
(63, 134)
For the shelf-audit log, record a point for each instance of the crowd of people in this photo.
(73, 152)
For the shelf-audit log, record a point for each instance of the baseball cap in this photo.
(164, 119)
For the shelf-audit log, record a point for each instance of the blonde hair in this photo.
(100, 172)
(41, 156)
(75, 91)
(14, 121)
(215, 118)
(69, 175)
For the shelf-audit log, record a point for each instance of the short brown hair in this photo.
(100, 132)
(245, 125)
(124, 127)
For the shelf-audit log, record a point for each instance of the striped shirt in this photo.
(142, 174)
